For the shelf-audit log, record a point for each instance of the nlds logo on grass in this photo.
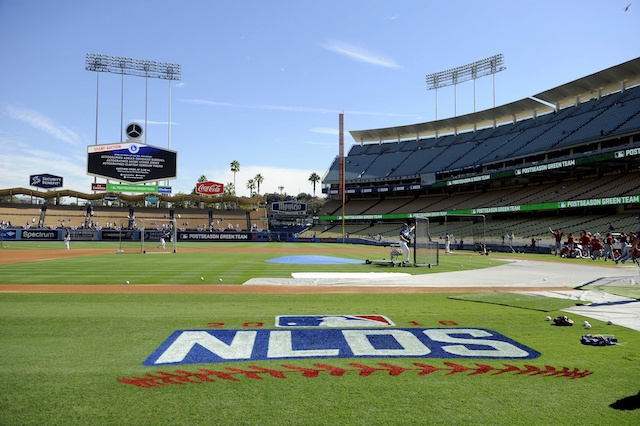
(334, 336)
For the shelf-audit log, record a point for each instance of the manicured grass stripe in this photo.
(522, 301)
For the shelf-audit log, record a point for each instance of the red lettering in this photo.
(215, 324)
(447, 322)
(253, 324)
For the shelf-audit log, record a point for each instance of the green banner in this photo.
(592, 202)
(123, 187)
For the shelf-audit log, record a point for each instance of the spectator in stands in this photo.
(558, 236)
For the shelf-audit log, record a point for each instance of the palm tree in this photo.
(202, 178)
(235, 168)
(314, 178)
(251, 185)
(258, 179)
(229, 189)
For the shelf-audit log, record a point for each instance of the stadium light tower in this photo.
(136, 67)
(484, 67)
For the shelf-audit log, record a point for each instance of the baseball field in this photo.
(220, 334)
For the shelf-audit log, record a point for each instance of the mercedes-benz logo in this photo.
(134, 131)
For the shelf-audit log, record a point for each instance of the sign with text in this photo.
(292, 207)
(131, 162)
(209, 188)
(45, 181)
(120, 187)
(212, 346)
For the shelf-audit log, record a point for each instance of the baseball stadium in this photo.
(129, 305)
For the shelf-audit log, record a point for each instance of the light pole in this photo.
(484, 67)
(136, 67)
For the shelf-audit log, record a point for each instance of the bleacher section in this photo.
(525, 228)
(609, 116)
(68, 216)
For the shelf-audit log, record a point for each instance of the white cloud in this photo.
(290, 108)
(359, 54)
(41, 122)
(325, 130)
(19, 161)
(152, 122)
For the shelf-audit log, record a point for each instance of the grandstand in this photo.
(566, 157)
(569, 156)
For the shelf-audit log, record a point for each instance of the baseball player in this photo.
(405, 240)
(162, 242)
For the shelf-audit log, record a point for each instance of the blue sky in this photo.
(263, 81)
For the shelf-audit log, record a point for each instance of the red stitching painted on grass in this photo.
(254, 372)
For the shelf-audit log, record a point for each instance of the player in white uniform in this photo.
(405, 240)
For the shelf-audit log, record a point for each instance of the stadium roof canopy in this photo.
(601, 83)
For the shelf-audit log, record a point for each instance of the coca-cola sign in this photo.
(209, 188)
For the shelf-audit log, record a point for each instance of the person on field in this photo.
(162, 241)
(405, 240)
(585, 242)
(597, 248)
(570, 241)
(66, 239)
(626, 253)
(636, 240)
(558, 236)
(608, 247)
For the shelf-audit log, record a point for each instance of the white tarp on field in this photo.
(520, 273)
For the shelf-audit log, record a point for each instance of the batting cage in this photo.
(463, 230)
(158, 236)
(426, 252)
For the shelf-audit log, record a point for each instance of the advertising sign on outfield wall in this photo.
(131, 162)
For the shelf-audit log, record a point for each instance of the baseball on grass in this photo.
(127, 282)
(201, 278)
(219, 279)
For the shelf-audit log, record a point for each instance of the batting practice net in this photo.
(466, 229)
(159, 236)
(426, 252)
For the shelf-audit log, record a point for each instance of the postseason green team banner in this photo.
(145, 189)
(592, 202)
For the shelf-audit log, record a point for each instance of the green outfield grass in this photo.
(74, 359)
(187, 267)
